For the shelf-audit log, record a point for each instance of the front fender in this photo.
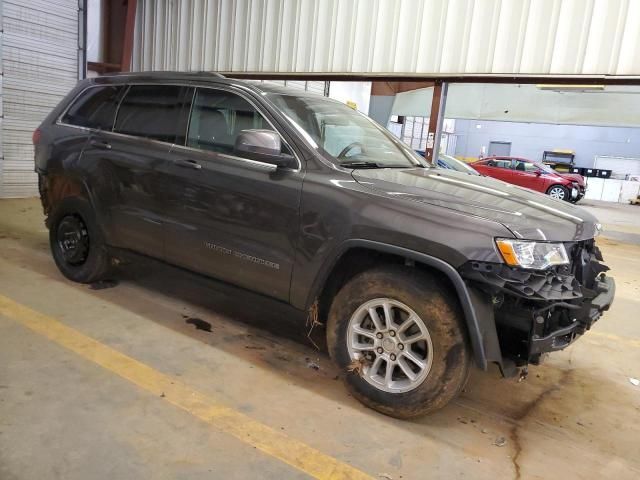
(477, 309)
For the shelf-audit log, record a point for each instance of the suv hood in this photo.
(526, 213)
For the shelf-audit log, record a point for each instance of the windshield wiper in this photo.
(370, 164)
(395, 165)
(360, 164)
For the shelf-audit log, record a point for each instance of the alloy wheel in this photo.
(557, 193)
(392, 343)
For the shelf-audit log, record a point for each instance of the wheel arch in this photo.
(54, 188)
(357, 255)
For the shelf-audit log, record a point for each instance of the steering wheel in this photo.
(348, 148)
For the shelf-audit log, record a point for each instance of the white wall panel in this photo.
(40, 65)
(620, 167)
(535, 37)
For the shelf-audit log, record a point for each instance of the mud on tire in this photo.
(76, 242)
(439, 312)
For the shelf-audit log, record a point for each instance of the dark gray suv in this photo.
(415, 271)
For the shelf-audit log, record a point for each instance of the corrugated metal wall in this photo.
(318, 87)
(390, 36)
(39, 66)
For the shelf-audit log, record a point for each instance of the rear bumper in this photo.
(589, 314)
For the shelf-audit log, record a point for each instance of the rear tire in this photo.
(558, 192)
(76, 242)
(366, 349)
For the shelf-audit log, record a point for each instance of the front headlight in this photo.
(531, 254)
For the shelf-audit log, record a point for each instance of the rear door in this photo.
(92, 109)
(231, 217)
(499, 168)
(125, 165)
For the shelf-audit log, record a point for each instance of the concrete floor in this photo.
(63, 416)
(621, 221)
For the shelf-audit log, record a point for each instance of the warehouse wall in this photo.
(530, 140)
(39, 66)
(613, 105)
(420, 36)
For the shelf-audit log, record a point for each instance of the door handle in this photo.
(100, 144)
(188, 164)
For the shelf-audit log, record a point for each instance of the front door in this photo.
(528, 175)
(500, 169)
(230, 217)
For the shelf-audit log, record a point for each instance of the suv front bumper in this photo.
(531, 312)
(565, 336)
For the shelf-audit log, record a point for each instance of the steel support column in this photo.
(82, 39)
(438, 105)
(127, 44)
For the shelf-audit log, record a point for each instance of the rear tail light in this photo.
(37, 134)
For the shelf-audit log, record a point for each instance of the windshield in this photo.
(346, 136)
(546, 168)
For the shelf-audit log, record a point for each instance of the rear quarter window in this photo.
(94, 108)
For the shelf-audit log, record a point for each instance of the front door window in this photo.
(218, 117)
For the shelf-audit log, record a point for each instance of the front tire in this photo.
(76, 242)
(558, 192)
(399, 338)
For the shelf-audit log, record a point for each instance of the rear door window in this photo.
(526, 166)
(217, 117)
(158, 112)
(499, 163)
(94, 108)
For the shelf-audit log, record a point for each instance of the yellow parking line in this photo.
(223, 418)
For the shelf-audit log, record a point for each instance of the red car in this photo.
(533, 175)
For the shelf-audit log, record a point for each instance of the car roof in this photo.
(502, 157)
(201, 78)
(164, 77)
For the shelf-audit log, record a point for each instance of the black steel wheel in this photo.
(76, 242)
(72, 237)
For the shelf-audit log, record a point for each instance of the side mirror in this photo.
(538, 173)
(262, 146)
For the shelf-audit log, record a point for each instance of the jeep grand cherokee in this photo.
(415, 271)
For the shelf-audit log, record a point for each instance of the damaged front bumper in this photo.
(565, 336)
(536, 312)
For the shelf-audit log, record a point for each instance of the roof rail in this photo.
(204, 72)
(215, 74)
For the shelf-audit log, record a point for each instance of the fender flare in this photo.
(65, 186)
(477, 309)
